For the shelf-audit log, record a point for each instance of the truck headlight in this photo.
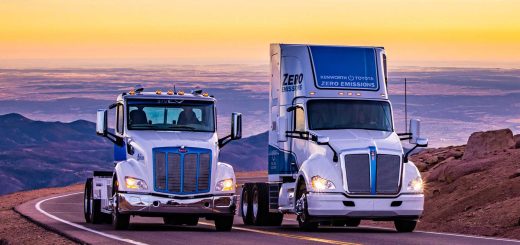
(225, 185)
(135, 183)
(319, 184)
(416, 185)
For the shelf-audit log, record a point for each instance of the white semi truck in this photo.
(334, 157)
(166, 153)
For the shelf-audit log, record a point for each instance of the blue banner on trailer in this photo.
(345, 68)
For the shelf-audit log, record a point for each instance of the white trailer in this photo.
(334, 157)
(166, 153)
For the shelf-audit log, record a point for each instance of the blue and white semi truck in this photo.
(334, 157)
(166, 153)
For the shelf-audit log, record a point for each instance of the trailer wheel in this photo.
(91, 207)
(304, 219)
(224, 223)
(119, 221)
(405, 225)
(246, 210)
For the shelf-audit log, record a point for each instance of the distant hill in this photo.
(36, 154)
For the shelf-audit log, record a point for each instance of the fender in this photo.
(314, 166)
(410, 172)
(131, 168)
(224, 171)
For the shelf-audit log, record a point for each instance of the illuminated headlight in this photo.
(319, 184)
(225, 185)
(416, 185)
(135, 183)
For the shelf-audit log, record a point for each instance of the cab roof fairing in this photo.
(154, 96)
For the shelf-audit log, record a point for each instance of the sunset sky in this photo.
(414, 32)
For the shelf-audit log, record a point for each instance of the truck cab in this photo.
(334, 157)
(166, 161)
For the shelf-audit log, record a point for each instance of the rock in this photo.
(421, 166)
(484, 143)
(432, 160)
(516, 138)
(515, 174)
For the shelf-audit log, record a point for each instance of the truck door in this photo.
(298, 146)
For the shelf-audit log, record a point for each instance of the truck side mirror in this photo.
(101, 122)
(236, 126)
(415, 131)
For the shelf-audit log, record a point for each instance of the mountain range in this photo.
(38, 154)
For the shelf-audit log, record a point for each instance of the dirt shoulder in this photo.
(15, 229)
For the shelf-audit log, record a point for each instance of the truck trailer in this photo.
(334, 157)
(166, 153)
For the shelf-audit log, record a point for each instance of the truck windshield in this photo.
(175, 116)
(349, 114)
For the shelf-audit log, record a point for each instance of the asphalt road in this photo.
(64, 213)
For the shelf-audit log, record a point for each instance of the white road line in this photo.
(38, 207)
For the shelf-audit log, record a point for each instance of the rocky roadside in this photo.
(14, 229)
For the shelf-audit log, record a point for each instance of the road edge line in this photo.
(114, 237)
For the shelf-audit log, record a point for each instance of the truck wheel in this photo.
(353, 222)
(246, 210)
(405, 225)
(119, 221)
(91, 207)
(224, 223)
(87, 202)
(260, 204)
(275, 219)
(304, 220)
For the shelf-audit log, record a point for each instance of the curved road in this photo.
(64, 213)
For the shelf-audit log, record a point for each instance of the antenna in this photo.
(174, 89)
(405, 107)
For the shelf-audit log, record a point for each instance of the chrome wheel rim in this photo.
(245, 202)
(255, 204)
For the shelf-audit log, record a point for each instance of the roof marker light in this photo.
(158, 92)
(341, 93)
(358, 94)
(312, 93)
(170, 92)
(383, 95)
(349, 93)
(132, 92)
(180, 92)
(205, 94)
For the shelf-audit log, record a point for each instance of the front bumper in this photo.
(339, 205)
(151, 205)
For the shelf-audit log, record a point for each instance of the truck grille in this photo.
(182, 170)
(387, 174)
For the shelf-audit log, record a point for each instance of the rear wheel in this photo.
(304, 219)
(245, 205)
(91, 206)
(405, 225)
(119, 221)
(224, 223)
(353, 222)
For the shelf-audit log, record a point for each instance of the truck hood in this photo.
(360, 139)
(154, 139)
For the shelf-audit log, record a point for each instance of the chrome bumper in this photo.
(145, 204)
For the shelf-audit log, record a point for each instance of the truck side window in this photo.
(299, 120)
(120, 119)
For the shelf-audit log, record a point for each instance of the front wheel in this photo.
(304, 219)
(119, 221)
(405, 225)
(224, 223)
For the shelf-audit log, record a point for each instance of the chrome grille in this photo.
(388, 170)
(182, 171)
(387, 174)
(357, 167)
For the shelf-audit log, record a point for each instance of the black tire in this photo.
(353, 222)
(275, 219)
(260, 204)
(246, 210)
(405, 225)
(181, 220)
(119, 221)
(224, 223)
(304, 219)
(87, 204)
